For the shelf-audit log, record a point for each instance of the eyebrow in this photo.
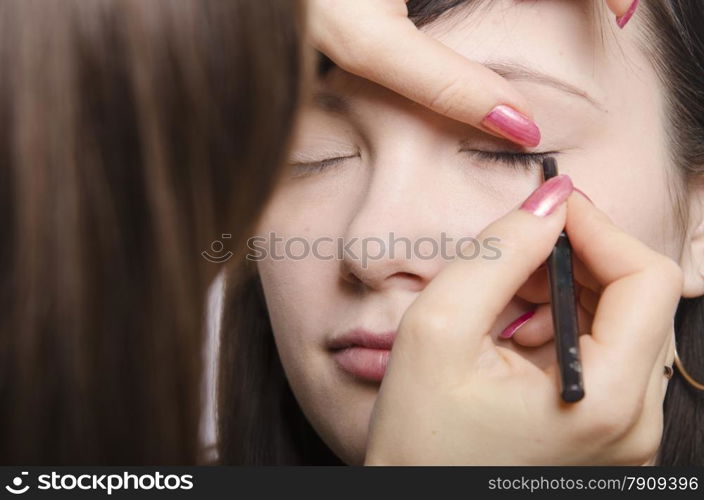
(337, 104)
(519, 72)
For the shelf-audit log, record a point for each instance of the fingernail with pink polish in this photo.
(513, 125)
(516, 324)
(551, 194)
(622, 20)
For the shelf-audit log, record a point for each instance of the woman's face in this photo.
(373, 166)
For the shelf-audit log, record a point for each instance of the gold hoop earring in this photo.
(680, 367)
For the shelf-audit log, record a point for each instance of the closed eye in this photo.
(515, 160)
(301, 169)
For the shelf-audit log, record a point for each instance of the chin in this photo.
(339, 408)
(345, 432)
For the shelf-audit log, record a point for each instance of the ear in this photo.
(692, 258)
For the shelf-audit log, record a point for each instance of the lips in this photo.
(363, 354)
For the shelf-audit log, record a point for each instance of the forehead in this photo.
(575, 41)
(570, 41)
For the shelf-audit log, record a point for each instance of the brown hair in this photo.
(259, 421)
(132, 134)
(674, 37)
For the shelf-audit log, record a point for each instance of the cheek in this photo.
(638, 201)
(626, 170)
(295, 295)
(301, 228)
(299, 273)
(299, 288)
(632, 187)
(301, 299)
(303, 306)
(297, 310)
(637, 172)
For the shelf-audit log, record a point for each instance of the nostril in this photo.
(410, 276)
(350, 277)
(354, 279)
(412, 281)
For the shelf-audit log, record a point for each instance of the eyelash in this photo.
(309, 168)
(514, 160)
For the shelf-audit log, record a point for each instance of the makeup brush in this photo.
(564, 309)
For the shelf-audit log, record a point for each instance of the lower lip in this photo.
(363, 363)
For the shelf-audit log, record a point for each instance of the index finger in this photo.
(412, 64)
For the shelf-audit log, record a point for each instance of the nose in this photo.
(396, 236)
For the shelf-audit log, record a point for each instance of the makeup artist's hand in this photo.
(451, 395)
(376, 40)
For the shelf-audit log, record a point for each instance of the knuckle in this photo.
(448, 98)
(503, 245)
(342, 49)
(422, 321)
(665, 278)
(669, 272)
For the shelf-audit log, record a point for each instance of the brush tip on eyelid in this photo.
(514, 159)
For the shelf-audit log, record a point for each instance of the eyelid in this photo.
(513, 159)
(310, 167)
(323, 158)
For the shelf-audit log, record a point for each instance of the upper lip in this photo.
(363, 338)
